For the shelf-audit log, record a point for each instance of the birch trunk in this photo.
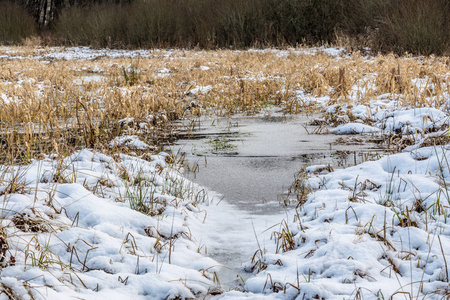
(42, 13)
(48, 12)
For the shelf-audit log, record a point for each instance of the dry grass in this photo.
(61, 105)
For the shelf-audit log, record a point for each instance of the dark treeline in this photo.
(415, 26)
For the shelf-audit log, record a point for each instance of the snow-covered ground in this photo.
(375, 231)
(97, 227)
(87, 53)
(94, 226)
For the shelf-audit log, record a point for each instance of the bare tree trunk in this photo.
(42, 13)
(48, 13)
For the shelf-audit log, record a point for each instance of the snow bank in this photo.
(96, 227)
(130, 141)
(355, 128)
(378, 229)
(416, 118)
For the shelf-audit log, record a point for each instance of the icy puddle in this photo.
(251, 162)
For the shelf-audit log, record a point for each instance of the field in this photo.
(94, 205)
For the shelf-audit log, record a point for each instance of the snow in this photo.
(332, 51)
(200, 90)
(94, 244)
(86, 53)
(318, 169)
(5, 98)
(164, 72)
(354, 128)
(130, 141)
(417, 118)
(90, 78)
(354, 227)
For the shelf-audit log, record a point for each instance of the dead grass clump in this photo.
(9, 292)
(27, 223)
(4, 246)
(285, 238)
(300, 189)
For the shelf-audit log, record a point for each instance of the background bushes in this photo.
(15, 23)
(167, 23)
(415, 26)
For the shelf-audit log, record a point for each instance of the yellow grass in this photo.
(51, 106)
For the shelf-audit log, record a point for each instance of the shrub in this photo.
(97, 25)
(415, 26)
(15, 23)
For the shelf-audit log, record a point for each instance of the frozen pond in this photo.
(251, 162)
